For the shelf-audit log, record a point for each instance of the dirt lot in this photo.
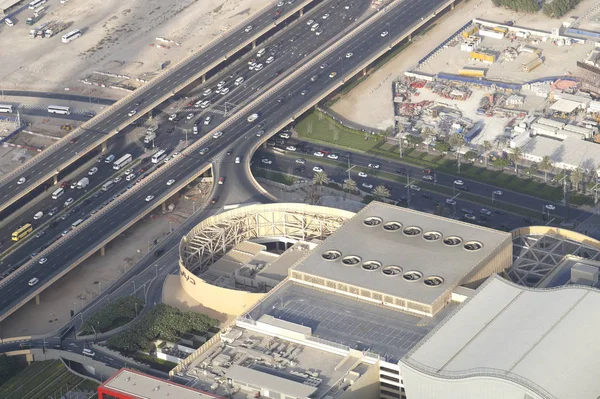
(370, 103)
(118, 37)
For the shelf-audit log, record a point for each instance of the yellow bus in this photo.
(22, 232)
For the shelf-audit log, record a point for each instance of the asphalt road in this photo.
(55, 96)
(161, 86)
(272, 113)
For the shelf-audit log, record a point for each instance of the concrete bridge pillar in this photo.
(204, 78)
(29, 358)
(253, 44)
(103, 251)
(364, 71)
(37, 300)
(103, 147)
(410, 37)
(452, 6)
(55, 180)
(164, 206)
(302, 11)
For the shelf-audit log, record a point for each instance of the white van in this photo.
(58, 193)
(239, 81)
(38, 215)
(237, 159)
(109, 158)
(77, 223)
(88, 352)
(34, 281)
(261, 52)
(9, 22)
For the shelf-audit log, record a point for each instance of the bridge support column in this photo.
(103, 147)
(253, 44)
(410, 37)
(29, 358)
(37, 300)
(364, 71)
(452, 6)
(55, 180)
(302, 11)
(204, 78)
(164, 206)
(103, 251)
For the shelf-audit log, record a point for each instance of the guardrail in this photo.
(138, 93)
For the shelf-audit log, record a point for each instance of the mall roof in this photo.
(269, 382)
(546, 340)
(143, 386)
(416, 242)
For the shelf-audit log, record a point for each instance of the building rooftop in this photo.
(402, 252)
(545, 340)
(270, 382)
(143, 386)
(347, 322)
(572, 152)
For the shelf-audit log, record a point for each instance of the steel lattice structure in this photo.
(216, 235)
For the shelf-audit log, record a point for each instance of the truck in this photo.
(531, 65)
(83, 183)
(149, 137)
(34, 19)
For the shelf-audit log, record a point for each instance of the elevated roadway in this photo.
(107, 124)
(365, 43)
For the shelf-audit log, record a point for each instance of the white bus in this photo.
(159, 156)
(77, 223)
(58, 193)
(108, 185)
(6, 108)
(36, 3)
(124, 160)
(69, 37)
(59, 109)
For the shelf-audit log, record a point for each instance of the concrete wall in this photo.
(98, 369)
(367, 386)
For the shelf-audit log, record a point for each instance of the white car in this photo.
(239, 80)
(498, 192)
(348, 55)
(128, 172)
(132, 112)
(362, 174)
(258, 67)
(317, 169)
(486, 212)
(21, 180)
(172, 117)
(130, 177)
(300, 161)
(415, 188)
(175, 154)
(374, 165)
(170, 182)
(117, 179)
(69, 201)
(318, 154)
(252, 118)
(310, 22)
(459, 182)
(93, 171)
(550, 207)
(206, 92)
(204, 151)
(205, 104)
(450, 201)
(347, 7)
(43, 260)
(248, 28)
(325, 16)
(189, 116)
(280, 4)
(290, 148)
(332, 156)
(224, 90)
(149, 198)
(269, 60)
(468, 216)
(367, 185)
(266, 161)
(216, 135)
(384, 33)
(428, 177)
(221, 84)
(251, 65)
(284, 135)
(207, 120)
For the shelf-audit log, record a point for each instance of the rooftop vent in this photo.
(433, 281)
(412, 275)
(473, 246)
(412, 231)
(351, 260)
(452, 241)
(392, 226)
(392, 270)
(371, 265)
(331, 255)
(372, 221)
(432, 236)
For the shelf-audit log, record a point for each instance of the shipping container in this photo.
(500, 29)
(531, 65)
(491, 34)
(477, 73)
(470, 32)
(491, 58)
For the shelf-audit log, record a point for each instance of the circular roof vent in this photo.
(372, 221)
(331, 255)
(412, 275)
(392, 226)
(433, 281)
(351, 260)
(432, 236)
(371, 265)
(473, 246)
(452, 241)
(392, 270)
(412, 231)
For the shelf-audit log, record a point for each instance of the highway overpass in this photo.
(365, 43)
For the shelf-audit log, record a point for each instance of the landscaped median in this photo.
(116, 314)
(320, 128)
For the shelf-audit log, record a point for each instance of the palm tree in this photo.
(350, 185)
(320, 178)
(485, 148)
(457, 141)
(380, 192)
(516, 155)
(545, 166)
(577, 178)
(425, 134)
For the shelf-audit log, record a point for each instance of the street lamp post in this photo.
(493, 196)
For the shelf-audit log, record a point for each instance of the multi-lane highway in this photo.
(42, 167)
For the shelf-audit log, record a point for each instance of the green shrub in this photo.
(115, 314)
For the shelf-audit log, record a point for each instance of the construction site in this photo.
(510, 86)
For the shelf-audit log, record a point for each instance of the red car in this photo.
(64, 184)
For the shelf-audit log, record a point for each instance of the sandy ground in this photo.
(370, 103)
(118, 37)
(84, 283)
